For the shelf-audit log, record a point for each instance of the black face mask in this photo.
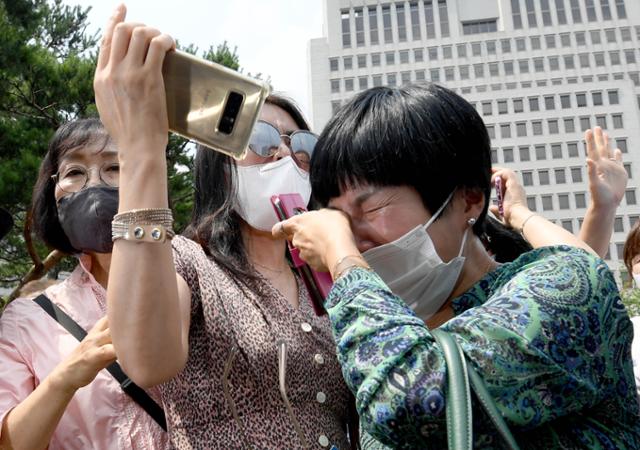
(85, 217)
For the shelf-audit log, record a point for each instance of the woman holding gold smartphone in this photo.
(219, 322)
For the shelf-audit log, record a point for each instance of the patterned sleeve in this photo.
(552, 340)
(183, 251)
(388, 360)
(548, 342)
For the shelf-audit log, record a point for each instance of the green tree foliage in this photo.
(46, 72)
(47, 61)
(631, 299)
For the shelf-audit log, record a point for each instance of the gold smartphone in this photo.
(211, 104)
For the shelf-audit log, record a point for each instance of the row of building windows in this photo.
(551, 102)
(563, 12)
(462, 74)
(552, 126)
(620, 225)
(563, 201)
(542, 152)
(397, 22)
(527, 66)
(559, 176)
(403, 21)
(481, 49)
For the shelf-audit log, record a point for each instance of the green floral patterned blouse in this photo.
(548, 332)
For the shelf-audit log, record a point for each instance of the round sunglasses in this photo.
(266, 139)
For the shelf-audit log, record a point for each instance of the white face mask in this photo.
(636, 278)
(414, 271)
(256, 184)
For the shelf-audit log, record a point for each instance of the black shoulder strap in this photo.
(134, 391)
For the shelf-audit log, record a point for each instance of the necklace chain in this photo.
(278, 271)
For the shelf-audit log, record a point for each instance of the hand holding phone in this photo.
(211, 104)
(318, 283)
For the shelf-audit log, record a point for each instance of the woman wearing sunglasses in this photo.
(219, 321)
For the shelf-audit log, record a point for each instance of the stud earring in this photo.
(471, 221)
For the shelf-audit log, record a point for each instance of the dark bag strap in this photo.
(460, 376)
(134, 391)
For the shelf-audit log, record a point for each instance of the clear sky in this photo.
(271, 36)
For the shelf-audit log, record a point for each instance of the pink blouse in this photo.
(100, 415)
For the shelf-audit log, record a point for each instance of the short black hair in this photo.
(44, 209)
(215, 224)
(423, 136)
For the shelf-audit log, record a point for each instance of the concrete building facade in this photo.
(539, 72)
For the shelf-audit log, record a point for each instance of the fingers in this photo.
(140, 39)
(101, 337)
(105, 45)
(495, 211)
(602, 150)
(592, 172)
(617, 155)
(591, 145)
(121, 40)
(605, 136)
(106, 354)
(284, 230)
(158, 48)
(100, 325)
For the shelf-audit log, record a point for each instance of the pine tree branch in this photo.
(28, 240)
(35, 273)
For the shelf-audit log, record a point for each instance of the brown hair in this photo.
(44, 208)
(631, 246)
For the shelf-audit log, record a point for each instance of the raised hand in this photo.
(607, 176)
(129, 86)
(323, 237)
(514, 198)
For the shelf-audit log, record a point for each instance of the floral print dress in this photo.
(547, 332)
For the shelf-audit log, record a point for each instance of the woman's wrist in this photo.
(603, 212)
(346, 263)
(340, 255)
(518, 215)
(57, 381)
(143, 184)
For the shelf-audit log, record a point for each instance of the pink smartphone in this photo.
(318, 283)
(498, 186)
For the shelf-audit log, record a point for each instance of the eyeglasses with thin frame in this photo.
(75, 177)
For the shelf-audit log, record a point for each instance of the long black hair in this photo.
(215, 224)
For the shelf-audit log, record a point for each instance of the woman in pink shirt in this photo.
(53, 390)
